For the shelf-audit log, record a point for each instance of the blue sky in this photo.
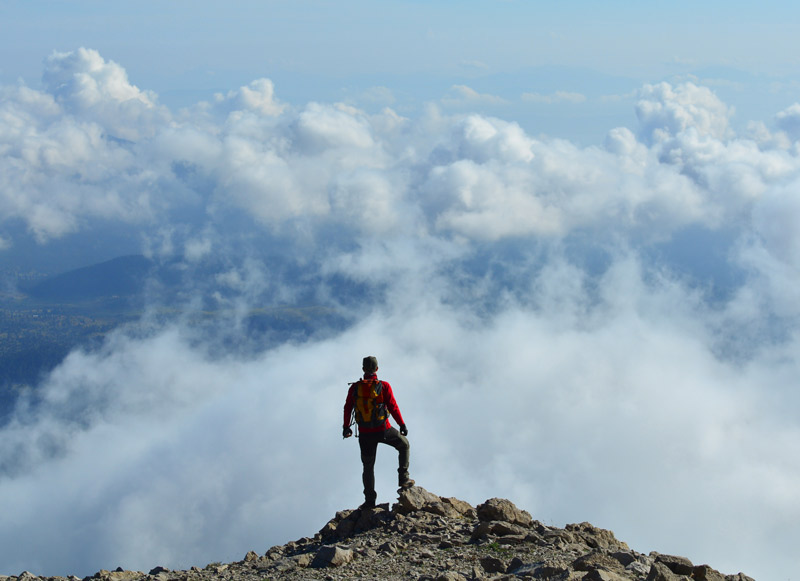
(186, 51)
(594, 206)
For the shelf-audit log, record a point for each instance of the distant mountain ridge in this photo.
(123, 276)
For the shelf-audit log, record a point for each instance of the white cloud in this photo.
(462, 95)
(258, 96)
(493, 260)
(56, 169)
(788, 120)
(379, 94)
(557, 97)
(94, 89)
(321, 127)
(590, 388)
(474, 65)
(664, 110)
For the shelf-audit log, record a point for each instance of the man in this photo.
(370, 399)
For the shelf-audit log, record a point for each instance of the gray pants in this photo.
(369, 448)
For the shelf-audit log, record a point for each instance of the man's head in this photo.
(370, 364)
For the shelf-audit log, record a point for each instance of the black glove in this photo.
(346, 432)
(403, 429)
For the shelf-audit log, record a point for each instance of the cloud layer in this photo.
(600, 333)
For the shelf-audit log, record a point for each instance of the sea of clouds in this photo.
(603, 333)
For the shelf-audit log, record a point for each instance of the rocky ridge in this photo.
(425, 537)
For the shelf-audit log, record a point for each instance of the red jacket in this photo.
(388, 400)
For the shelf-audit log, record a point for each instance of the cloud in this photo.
(627, 309)
(788, 120)
(91, 88)
(379, 94)
(474, 65)
(258, 96)
(462, 95)
(664, 110)
(557, 97)
(56, 169)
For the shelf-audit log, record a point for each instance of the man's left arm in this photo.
(392, 407)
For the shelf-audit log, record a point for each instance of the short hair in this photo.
(370, 364)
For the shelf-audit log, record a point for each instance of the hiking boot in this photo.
(406, 484)
(367, 504)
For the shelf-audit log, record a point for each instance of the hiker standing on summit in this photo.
(369, 400)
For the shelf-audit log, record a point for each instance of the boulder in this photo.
(706, 573)
(498, 529)
(500, 509)
(285, 565)
(549, 568)
(676, 564)
(416, 498)
(602, 575)
(331, 556)
(303, 560)
(451, 576)
(660, 572)
(493, 565)
(597, 560)
(460, 507)
(594, 537)
(120, 575)
(624, 558)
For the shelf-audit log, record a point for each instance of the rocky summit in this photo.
(425, 537)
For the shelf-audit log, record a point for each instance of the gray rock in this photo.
(303, 560)
(603, 575)
(497, 528)
(451, 576)
(120, 575)
(550, 568)
(462, 508)
(624, 558)
(500, 509)
(660, 572)
(640, 567)
(284, 565)
(706, 573)
(389, 547)
(331, 556)
(515, 564)
(425, 537)
(417, 498)
(678, 565)
(345, 528)
(597, 560)
(594, 537)
(493, 565)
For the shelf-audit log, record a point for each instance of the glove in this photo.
(403, 429)
(346, 432)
